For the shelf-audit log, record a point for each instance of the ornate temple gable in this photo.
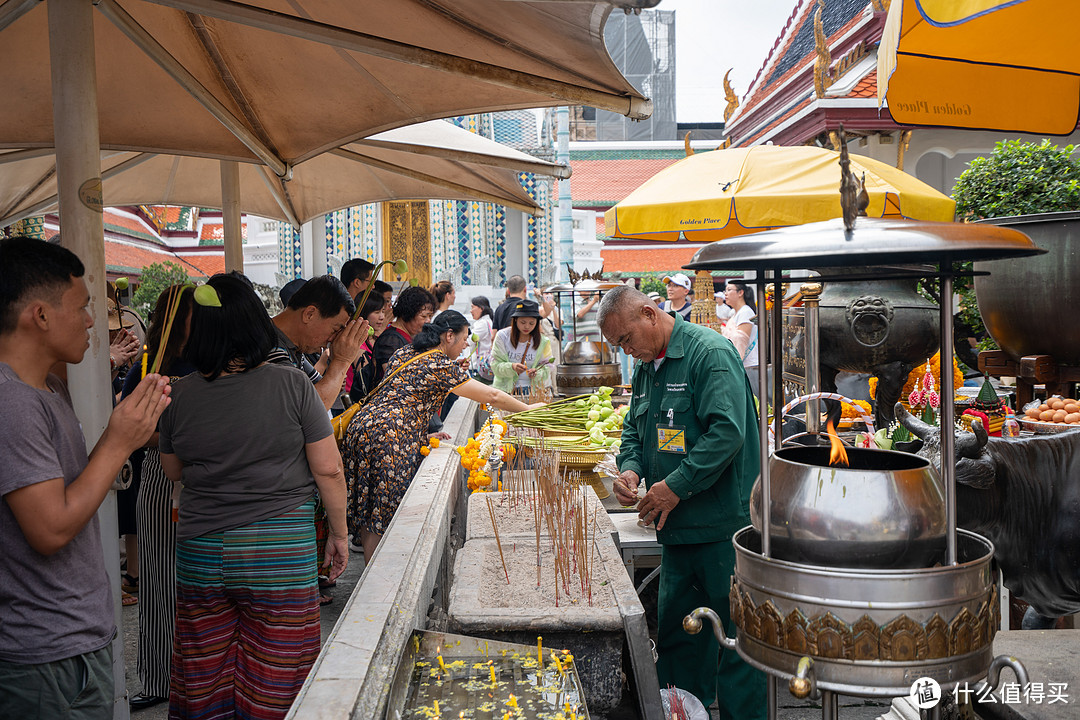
(782, 105)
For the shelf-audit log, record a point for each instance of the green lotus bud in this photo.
(207, 296)
(474, 337)
(121, 283)
(370, 331)
(401, 267)
(413, 282)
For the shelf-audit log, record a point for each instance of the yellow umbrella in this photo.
(720, 194)
(982, 64)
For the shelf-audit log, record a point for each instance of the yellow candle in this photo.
(436, 708)
(145, 358)
(540, 651)
(494, 679)
(512, 702)
(558, 665)
(442, 665)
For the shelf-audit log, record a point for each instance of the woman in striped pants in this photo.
(153, 515)
(251, 442)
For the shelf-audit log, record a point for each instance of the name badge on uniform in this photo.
(671, 438)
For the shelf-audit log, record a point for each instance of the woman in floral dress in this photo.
(382, 444)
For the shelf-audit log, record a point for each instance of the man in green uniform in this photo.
(691, 434)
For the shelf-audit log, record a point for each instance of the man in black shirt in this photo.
(515, 292)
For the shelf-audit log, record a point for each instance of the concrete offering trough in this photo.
(482, 604)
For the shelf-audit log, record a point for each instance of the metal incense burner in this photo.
(884, 509)
(859, 581)
(585, 361)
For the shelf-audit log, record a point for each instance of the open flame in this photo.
(837, 454)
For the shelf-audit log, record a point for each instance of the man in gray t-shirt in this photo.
(56, 608)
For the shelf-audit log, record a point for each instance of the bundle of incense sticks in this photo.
(400, 267)
(558, 501)
(495, 528)
(176, 292)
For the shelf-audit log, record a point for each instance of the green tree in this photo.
(154, 280)
(654, 284)
(1018, 178)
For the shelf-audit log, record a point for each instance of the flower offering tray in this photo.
(452, 676)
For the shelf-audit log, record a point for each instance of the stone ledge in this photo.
(353, 673)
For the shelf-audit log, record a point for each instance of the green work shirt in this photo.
(701, 388)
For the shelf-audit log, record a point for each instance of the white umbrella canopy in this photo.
(299, 77)
(432, 160)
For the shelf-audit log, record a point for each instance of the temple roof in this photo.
(782, 106)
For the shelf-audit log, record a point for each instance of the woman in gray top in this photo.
(250, 442)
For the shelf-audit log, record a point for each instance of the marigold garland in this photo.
(477, 452)
(855, 412)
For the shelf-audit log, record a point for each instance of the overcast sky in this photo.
(714, 35)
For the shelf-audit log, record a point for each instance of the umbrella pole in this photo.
(230, 216)
(78, 173)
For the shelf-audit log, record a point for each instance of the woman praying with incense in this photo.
(251, 441)
(153, 508)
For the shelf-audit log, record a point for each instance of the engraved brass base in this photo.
(871, 633)
(585, 379)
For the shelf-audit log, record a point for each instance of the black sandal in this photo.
(129, 583)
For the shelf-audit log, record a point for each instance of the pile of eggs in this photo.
(1056, 410)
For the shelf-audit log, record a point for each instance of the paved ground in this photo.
(345, 585)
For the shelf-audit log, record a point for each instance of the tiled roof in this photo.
(207, 264)
(214, 233)
(865, 88)
(625, 154)
(794, 50)
(835, 15)
(603, 183)
(667, 257)
(130, 259)
(129, 226)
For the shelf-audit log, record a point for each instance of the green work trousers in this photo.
(692, 576)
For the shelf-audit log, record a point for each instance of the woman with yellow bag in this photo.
(383, 440)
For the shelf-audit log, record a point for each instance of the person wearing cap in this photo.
(289, 289)
(521, 356)
(678, 287)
